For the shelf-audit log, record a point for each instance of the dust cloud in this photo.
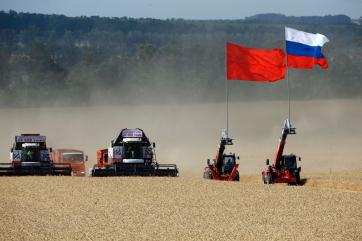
(329, 132)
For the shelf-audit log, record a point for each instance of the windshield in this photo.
(77, 157)
(133, 151)
(31, 154)
(228, 159)
(290, 162)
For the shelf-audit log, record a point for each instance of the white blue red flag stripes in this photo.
(304, 50)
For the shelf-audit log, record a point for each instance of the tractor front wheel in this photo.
(237, 177)
(207, 174)
(268, 178)
(297, 178)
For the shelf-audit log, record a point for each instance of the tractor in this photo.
(224, 166)
(285, 168)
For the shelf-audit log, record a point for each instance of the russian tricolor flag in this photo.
(304, 50)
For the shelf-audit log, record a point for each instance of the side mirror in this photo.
(154, 145)
(51, 149)
(267, 162)
(86, 158)
(238, 157)
(12, 149)
(208, 161)
(299, 159)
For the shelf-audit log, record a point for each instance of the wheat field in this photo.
(184, 208)
(327, 207)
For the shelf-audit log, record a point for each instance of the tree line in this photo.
(54, 59)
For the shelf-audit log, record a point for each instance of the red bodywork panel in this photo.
(102, 158)
(223, 177)
(280, 176)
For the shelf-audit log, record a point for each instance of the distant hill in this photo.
(54, 59)
(274, 18)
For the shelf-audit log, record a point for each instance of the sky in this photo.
(187, 9)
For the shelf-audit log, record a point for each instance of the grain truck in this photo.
(75, 158)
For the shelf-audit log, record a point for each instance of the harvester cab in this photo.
(285, 168)
(30, 156)
(224, 166)
(131, 154)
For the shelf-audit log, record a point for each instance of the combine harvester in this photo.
(284, 169)
(131, 154)
(224, 167)
(30, 156)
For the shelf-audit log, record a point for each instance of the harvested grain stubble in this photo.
(135, 208)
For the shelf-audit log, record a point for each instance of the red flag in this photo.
(255, 64)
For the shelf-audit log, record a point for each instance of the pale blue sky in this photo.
(188, 9)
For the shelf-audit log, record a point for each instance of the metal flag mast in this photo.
(227, 98)
(227, 107)
(288, 89)
(287, 74)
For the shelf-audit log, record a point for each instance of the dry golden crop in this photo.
(136, 208)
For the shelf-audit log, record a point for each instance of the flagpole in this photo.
(288, 90)
(227, 107)
(287, 73)
(227, 97)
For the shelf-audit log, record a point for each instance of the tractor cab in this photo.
(289, 162)
(229, 161)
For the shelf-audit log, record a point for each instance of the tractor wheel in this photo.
(207, 175)
(297, 178)
(237, 177)
(268, 179)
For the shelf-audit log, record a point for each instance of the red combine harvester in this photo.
(284, 169)
(31, 156)
(131, 154)
(224, 167)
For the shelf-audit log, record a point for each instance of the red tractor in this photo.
(224, 167)
(284, 169)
